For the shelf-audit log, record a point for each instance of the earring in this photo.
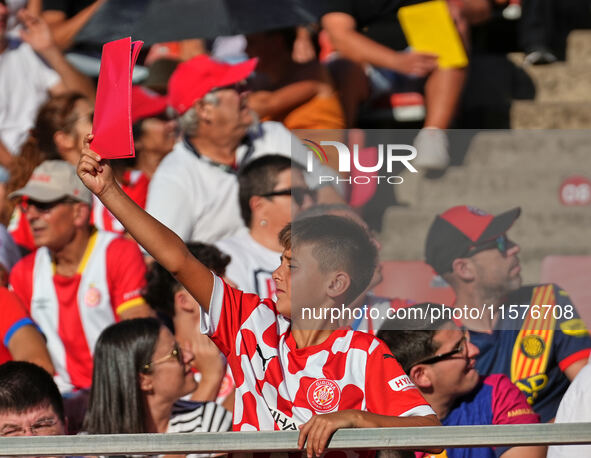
(263, 222)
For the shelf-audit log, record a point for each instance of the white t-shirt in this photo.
(575, 407)
(24, 82)
(252, 264)
(198, 199)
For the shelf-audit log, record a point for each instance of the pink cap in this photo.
(146, 103)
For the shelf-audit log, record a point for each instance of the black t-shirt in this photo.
(70, 7)
(376, 19)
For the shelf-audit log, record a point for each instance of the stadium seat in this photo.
(572, 273)
(413, 280)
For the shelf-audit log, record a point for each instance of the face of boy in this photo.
(299, 281)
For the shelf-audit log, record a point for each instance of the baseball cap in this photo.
(456, 230)
(196, 77)
(146, 103)
(54, 180)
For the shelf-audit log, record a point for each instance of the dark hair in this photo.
(339, 243)
(24, 386)
(116, 404)
(257, 178)
(412, 340)
(161, 286)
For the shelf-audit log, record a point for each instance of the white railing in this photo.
(286, 441)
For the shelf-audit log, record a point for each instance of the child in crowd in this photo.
(285, 375)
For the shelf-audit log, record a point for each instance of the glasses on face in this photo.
(460, 348)
(42, 427)
(240, 87)
(501, 243)
(298, 194)
(43, 207)
(176, 353)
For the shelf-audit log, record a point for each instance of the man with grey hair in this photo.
(195, 188)
(79, 280)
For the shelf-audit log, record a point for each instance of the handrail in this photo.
(286, 441)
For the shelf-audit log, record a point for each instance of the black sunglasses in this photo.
(298, 194)
(43, 207)
(501, 243)
(461, 347)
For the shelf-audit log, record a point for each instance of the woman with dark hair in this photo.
(139, 374)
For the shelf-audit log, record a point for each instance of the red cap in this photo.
(196, 77)
(146, 103)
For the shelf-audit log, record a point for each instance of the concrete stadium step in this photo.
(539, 232)
(550, 115)
(558, 82)
(579, 47)
(524, 148)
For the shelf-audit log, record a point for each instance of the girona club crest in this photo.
(92, 297)
(324, 395)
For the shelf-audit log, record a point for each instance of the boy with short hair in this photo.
(348, 376)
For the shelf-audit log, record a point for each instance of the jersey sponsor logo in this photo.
(531, 386)
(401, 383)
(519, 412)
(92, 297)
(533, 346)
(574, 328)
(388, 356)
(283, 421)
(324, 395)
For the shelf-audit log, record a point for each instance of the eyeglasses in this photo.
(501, 243)
(176, 353)
(43, 207)
(461, 347)
(298, 194)
(240, 87)
(42, 427)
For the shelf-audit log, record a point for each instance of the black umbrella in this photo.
(172, 20)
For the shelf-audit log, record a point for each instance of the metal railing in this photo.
(286, 441)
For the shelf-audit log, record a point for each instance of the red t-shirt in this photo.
(13, 316)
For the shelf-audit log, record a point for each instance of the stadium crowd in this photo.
(163, 293)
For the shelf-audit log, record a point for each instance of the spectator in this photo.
(366, 299)
(271, 191)
(300, 95)
(61, 124)
(575, 407)
(21, 339)
(30, 403)
(140, 372)
(332, 261)
(469, 248)
(174, 304)
(79, 280)
(370, 35)
(194, 190)
(440, 360)
(154, 136)
(22, 95)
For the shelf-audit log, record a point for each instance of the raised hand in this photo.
(36, 32)
(95, 173)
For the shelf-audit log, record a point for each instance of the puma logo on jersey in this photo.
(264, 360)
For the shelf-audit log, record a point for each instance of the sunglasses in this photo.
(298, 194)
(501, 243)
(461, 347)
(175, 353)
(43, 207)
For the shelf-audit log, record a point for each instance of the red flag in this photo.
(111, 125)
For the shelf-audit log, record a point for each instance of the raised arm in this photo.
(162, 244)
